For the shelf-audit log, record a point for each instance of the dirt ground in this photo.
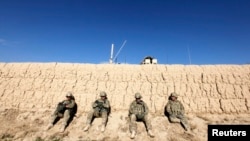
(19, 125)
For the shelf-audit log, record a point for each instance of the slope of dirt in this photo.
(29, 126)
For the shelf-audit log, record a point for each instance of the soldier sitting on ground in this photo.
(138, 111)
(100, 108)
(66, 110)
(175, 111)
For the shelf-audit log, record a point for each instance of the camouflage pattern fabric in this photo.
(176, 111)
(138, 111)
(60, 107)
(69, 104)
(175, 108)
(100, 108)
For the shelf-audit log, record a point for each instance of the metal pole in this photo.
(111, 56)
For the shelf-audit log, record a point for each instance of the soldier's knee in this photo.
(91, 113)
(175, 120)
(104, 114)
(132, 117)
(184, 121)
(66, 114)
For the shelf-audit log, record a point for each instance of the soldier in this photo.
(100, 108)
(175, 111)
(138, 111)
(66, 110)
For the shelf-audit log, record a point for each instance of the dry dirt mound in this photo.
(29, 126)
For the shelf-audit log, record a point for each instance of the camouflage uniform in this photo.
(65, 114)
(100, 108)
(176, 111)
(139, 111)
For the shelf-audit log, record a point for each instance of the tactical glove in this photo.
(99, 104)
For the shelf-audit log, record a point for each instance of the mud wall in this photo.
(202, 88)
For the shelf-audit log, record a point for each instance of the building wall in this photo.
(202, 88)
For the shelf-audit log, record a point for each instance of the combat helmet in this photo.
(174, 94)
(138, 95)
(69, 94)
(102, 93)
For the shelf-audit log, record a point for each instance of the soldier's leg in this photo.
(89, 119)
(148, 125)
(104, 120)
(66, 117)
(51, 121)
(53, 118)
(147, 122)
(104, 117)
(174, 119)
(133, 126)
(184, 121)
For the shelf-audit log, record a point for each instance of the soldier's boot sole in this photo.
(186, 127)
(103, 128)
(133, 135)
(150, 133)
(86, 128)
(49, 127)
(62, 129)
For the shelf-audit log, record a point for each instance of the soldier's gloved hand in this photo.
(66, 102)
(99, 104)
(94, 105)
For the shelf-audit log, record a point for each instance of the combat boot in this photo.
(62, 129)
(49, 126)
(132, 135)
(186, 127)
(86, 128)
(103, 128)
(150, 133)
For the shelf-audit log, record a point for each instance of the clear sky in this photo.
(81, 31)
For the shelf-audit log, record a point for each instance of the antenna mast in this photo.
(189, 56)
(120, 49)
(111, 56)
